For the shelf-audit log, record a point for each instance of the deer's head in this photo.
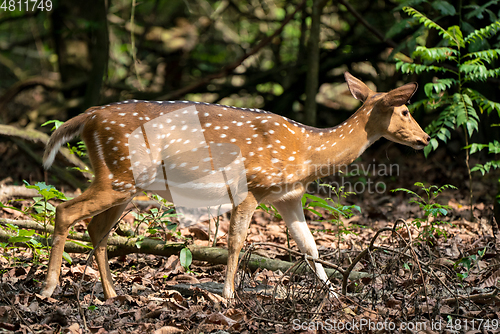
(388, 115)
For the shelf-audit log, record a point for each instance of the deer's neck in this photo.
(339, 146)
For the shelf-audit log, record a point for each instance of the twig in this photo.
(455, 297)
(371, 28)
(14, 308)
(359, 257)
(483, 296)
(294, 252)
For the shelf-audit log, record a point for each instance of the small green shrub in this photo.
(334, 208)
(463, 59)
(43, 213)
(432, 210)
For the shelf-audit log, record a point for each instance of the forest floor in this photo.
(443, 280)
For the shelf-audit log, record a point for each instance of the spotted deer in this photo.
(278, 156)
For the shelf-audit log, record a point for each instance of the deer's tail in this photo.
(62, 135)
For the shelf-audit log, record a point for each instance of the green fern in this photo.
(431, 24)
(486, 55)
(436, 54)
(482, 33)
(456, 63)
(409, 68)
(483, 103)
(477, 71)
(457, 102)
(441, 85)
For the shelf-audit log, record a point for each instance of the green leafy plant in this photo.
(269, 208)
(28, 237)
(469, 262)
(461, 68)
(493, 148)
(460, 62)
(44, 212)
(334, 209)
(40, 211)
(157, 220)
(186, 258)
(432, 210)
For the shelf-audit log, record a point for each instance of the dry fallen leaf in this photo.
(168, 330)
(74, 329)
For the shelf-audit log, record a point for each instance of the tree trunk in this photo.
(99, 51)
(313, 63)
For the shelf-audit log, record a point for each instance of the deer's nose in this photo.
(427, 140)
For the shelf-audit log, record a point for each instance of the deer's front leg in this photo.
(293, 215)
(238, 228)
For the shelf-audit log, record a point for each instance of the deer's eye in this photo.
(405, 113)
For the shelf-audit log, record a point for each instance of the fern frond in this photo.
(478, 11)
(443, 134)
(478, 72)
(475, 61)
(436, 54)
(429, 104)
(446, 186)
(494, 147)
(431, 24)
(458, 38)
(485, 32)
(419, 68)
(483, 102)
(486, 167)
(445, 121)
(466, 114)
(439, 86)
(475, 147)
(486, 55)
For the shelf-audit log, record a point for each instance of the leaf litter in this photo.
(451, 276)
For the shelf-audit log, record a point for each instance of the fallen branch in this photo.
(7, 192)
(119, 246)
(483, 298)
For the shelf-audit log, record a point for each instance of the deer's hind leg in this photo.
(99, 229)
(92, 202)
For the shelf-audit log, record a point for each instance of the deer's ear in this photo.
(358, 89)
(401, 95)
